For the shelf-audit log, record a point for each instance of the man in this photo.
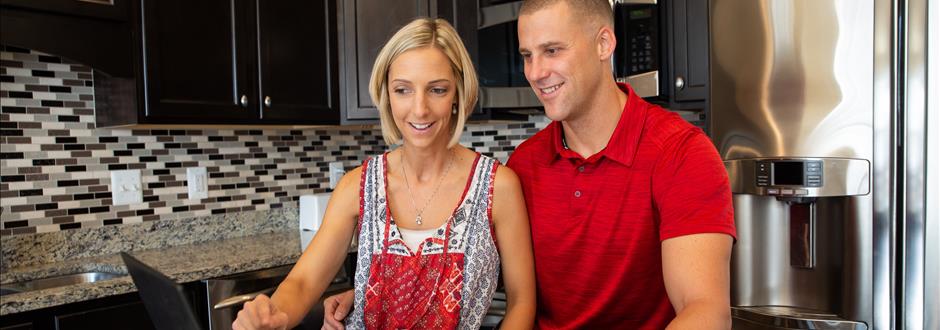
(630, 208)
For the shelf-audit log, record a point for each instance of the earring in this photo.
(454, 109)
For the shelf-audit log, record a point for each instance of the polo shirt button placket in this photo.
(577, 193)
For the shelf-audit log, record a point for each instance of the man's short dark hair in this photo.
(598, 12)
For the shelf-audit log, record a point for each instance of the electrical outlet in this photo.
(336, 172)
(126, 188)
(197, 180)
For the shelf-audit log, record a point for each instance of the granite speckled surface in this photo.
(183, 263)
(186, 250)
(44, 248)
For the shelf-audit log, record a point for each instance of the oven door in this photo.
(227, 294)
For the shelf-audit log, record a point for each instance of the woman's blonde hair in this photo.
(425, 32)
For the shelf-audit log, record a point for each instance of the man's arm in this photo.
(696, 271)
(693, 199)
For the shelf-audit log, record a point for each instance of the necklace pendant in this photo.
(418, 220)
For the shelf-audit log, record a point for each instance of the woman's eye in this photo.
(440, 91)
(400, 90)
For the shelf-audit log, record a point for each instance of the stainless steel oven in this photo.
(225, 295)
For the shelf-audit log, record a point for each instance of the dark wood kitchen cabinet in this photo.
(235, 62)
(119, 312)
(197, 60)
(299, 69)
(688, 38)
(124, 311)
(129, 315)
(367, 25)
(95, 34)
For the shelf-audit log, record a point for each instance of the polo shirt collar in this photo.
(622, 145)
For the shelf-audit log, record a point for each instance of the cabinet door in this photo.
(112, 10)
(198, 61)
(690, 46)
(298, 66)
(367, 25)
(130, 315)
(21, 326)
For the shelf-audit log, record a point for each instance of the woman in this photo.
(428, 214)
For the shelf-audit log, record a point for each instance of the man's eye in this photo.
(552, 51)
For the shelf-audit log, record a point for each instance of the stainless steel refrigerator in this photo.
(825, 113)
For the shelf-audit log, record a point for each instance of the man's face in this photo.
(561, 60)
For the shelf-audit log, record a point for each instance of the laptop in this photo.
(164, 299)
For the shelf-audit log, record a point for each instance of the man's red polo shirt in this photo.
(598, 223)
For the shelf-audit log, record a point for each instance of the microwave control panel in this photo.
(639, 31)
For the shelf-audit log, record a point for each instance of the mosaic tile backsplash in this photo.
(55, 165)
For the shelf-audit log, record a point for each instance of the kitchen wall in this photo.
(54, 163)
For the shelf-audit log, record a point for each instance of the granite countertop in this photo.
(182, 263)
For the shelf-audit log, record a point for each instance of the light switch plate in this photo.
(336, 172)
(197, 180)
(126, 187)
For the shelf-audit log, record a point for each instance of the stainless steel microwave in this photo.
(639, 27)
(501, 69)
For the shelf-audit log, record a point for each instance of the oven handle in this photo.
(240, 299)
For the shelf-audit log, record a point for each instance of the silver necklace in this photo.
(419, 212)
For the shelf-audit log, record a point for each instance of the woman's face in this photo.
(422, 91)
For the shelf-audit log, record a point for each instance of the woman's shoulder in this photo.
(375, 157)
(506, 179)
(502, 174)
(348, 185)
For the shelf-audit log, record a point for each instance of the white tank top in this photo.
(413, 238)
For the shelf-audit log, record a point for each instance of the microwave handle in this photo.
(499, 14)
(644, 85)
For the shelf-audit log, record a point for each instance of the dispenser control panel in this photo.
(799, 177)
(789, 173)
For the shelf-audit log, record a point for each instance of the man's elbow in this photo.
(703, 314)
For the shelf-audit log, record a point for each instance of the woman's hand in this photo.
(260, 313)
(335, 310)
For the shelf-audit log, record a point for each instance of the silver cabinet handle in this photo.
(267, 101)
(243, 100)
(680, 83)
